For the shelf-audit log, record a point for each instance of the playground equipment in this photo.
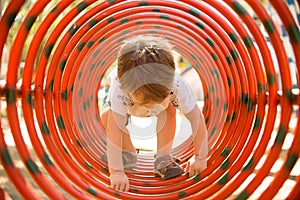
(63, 73)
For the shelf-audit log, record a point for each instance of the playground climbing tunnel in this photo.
(57, 63)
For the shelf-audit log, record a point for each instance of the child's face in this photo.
(149, 106)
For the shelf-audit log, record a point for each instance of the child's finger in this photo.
(191, 173)
(188, 166)
(127, 188)
(191, 170)
(123, 187)
(113, 186)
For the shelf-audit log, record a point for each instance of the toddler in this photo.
(145, 84)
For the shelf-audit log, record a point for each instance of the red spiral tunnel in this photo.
(250, 96)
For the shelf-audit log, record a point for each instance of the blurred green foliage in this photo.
(21, 16)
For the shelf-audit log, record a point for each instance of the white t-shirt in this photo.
(181, 96)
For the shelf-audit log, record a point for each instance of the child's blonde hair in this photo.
(146, 65)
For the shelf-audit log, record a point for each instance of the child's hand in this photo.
(196, 165)
(119, 181)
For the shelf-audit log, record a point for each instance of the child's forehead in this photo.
(140, 97)
(143, 100)
(139, 93)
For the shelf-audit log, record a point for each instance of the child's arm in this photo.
(114, 131)
(198, 162)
